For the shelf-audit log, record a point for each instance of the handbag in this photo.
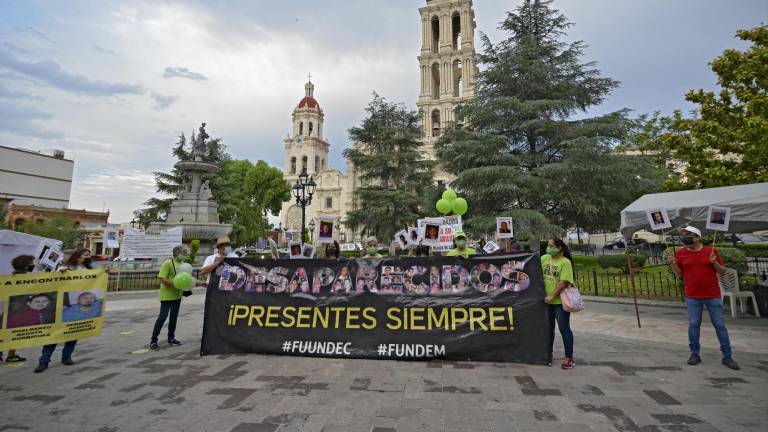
(570, 297)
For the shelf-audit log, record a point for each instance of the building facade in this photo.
(448, 73)
(34, 178)
(307, 150)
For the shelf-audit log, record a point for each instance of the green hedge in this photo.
(620, 261)
(732, 257)
(754, 249)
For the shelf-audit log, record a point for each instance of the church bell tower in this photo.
(447, 64)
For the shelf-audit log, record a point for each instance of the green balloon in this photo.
(449, 195)
(460, 206)
(182, 281)
(443, 206)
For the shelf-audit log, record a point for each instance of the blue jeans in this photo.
(715, 309)
(66, 353)
(563, 318)
(166, 307)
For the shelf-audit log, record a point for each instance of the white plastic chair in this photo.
(729, 287)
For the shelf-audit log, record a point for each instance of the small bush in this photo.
(732, 257)
(620, 261)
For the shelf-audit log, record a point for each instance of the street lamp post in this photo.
(303, 190)
(312, 230)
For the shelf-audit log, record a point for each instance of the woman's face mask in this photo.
(552, 251)
(373, 250)
(461, 244)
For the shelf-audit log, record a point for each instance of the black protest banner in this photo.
(486, 308)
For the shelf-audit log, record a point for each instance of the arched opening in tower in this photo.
(435, 81)
(435, 34)
(436, 123)
(458, 79)
(456, 33)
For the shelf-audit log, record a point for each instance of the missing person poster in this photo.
(45, 308)
(477, 309)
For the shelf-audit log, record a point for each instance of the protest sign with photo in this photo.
(479, 309)
(414, 236)
(718, 218)
(48, 308)
(659, 219)
(504, 228)
(401, 239)
(325, 230)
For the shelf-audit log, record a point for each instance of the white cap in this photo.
(693, 230)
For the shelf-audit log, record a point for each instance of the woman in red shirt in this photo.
(699, 266)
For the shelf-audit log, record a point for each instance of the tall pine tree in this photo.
(529, 149)
(394, 174)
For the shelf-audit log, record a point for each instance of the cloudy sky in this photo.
(113, 83)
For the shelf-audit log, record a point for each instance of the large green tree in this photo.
(256, 190)
(725, 141)
(529, 148)
(394, 174)
(59, 228)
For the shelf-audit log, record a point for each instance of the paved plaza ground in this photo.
(626, 380)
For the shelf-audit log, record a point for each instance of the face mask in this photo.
(373, 250)
(227, 250)
(182, 258)
(461, 243)
(88, 261)
(552, 251)
(687, 240)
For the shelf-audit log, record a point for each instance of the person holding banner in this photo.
(79, 260)
(21, 264)
(557, 267)
(170, 298)
(698, 266)
(372, 246)
(461, 249)
(212, 262)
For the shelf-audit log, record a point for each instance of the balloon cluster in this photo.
(451, 203)
(183, 279)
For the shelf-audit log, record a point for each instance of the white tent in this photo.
(13, 244)
(748, 203)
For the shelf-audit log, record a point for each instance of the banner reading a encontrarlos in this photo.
(46, 308)
(486, 308)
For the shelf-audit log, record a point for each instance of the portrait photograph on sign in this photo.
(659, 219)
(32, 310)
(504, 228)
(82, 305)
(401, 239)
(431, 234)
(414, 236)
(325, 233)
(718, 218)
(294, 250)
(490, 247)
(308, 251)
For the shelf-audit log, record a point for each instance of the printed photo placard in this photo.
(401, 239)
(504, 228)
(659, 219)
(718, 218)
(295, 250)
(325, 230)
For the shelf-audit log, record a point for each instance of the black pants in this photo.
(171, 306)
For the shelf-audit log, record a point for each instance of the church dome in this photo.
(308, 102)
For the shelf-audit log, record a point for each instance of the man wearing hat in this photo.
(699, 266)
(461, 249)
(212, 262)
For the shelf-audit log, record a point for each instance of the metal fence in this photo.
(135, 280)
(657, 285)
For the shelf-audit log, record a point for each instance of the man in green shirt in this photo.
(372, 248)
(170, 297)
(461, 249)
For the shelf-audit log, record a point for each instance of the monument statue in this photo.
(205, 191)
(199, 146)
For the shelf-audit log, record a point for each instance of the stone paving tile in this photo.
(620, 384)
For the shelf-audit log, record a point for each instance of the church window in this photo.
(435, 34)
(301, 128)
(310, 128)
(304, 164)
(293, 165)
(458, 79)
(19, 223)
(317, 164)
(435, 81)
(328, 202)
(456, 24)
(436, 123)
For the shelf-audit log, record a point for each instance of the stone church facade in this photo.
(448, 76)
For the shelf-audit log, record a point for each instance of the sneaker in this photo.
(568, 363)
(694, 359)
(67, 362)
(154, 346)
(174, 342)
(14, 359)
(731, 364)
(41, 367)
